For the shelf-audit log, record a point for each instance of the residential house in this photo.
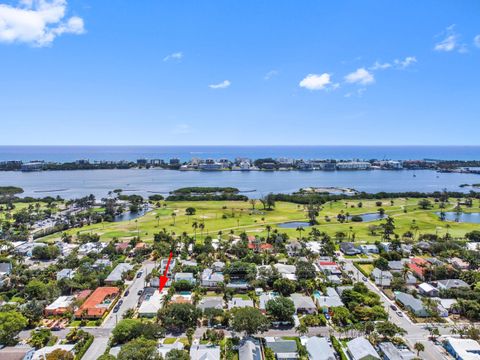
(451, 284)
(396, 265)
(5, 271)
(210, 302)
(98, 303)
(60, 306)
(459, 264)
(391, 352)
(411, 304)
(348, 248)
(361, 349)
(426, 289)
(88, 248)
(218, 266)
(122, 247)
(164, 349)
(250, 349)
(463, 349)
(117, 274)
(368, 249)
(151, 302)
(287, 271)
(318, 348)
(189, 277)
(293, 248)
(65, 274)
(211, 279)
(21, 352)
(42, 353)
(237, 302)
(264, 298)
(303, 304)
(314, 247)
(283, 349)
(410, 279)
(331, 299)
(329, 268)
(448, 304)
(334, 279)
(204, 352)
(183, 298)
(382, 278)
(102, 263)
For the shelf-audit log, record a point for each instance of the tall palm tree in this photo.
(201, 226)
(195, 227)
(174, 214)
(268, 228)
(419, 347)
(300, 229)
(157, 217)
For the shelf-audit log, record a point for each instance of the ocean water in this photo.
(132, 153)
(145, 182)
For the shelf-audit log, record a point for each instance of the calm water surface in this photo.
(74, 184)
(462, 217)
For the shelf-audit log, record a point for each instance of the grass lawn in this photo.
(169, 341)
(237, 216)
(367, 268)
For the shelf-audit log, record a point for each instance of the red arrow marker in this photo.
(164, 277)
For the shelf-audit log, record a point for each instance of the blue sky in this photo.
(244, 72)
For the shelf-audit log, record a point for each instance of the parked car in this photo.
(364, 278)
(139, 274)
(116, 308)
(140, 292)
(399, 313)
(126, 293)
(393, 307)
(120, 302)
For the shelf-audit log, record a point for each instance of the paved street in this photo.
(415, 332)
(102, 334)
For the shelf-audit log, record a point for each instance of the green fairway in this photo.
(238, 216)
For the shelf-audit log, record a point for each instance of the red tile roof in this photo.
(90, 308)
(417, 269)
(419, 261)
(82, 295)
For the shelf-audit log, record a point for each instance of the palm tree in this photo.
(302, 329)
(158, 219)
(201, 226)
(268, 228)
(300, 229)
(174, 214)
(195, 226)
(419, 347)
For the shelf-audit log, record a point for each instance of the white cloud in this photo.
(270, 74)
(380, 66)
(37, 22)
(224, 84)
(450, 41)
(402, 64)
(360, 76)
(174, 56)
(476, 41)
(316, 82)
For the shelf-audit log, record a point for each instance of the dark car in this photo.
(139, 274)
(116, 308)
(393, 307)
(126, 293)
(120, 302)
(140, 292)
